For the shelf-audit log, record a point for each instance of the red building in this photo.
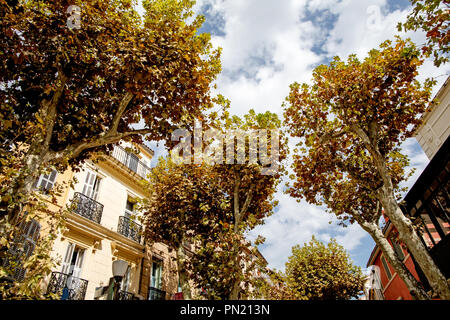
(428, 204)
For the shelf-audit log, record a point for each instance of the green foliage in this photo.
(40, 208)
(431, 16)
(317, 271)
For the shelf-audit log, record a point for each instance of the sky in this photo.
(269, 44)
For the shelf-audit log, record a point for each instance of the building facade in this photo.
(103, 227)
(435, 127)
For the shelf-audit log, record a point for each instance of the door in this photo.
(91, 185)
(126, 280)
(155, 292)
(133, 161)
(156, 279)
(72, 266)
(129, 229)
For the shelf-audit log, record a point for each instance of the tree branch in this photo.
(327, 136)
(247, 201)
(118, 115)
(237, 216)
(74, 150)
(48, 112)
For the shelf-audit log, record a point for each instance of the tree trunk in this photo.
(182, 274)
(414, 287)
(236, 290)
(408, 236)
(236, 283)
(24, 185)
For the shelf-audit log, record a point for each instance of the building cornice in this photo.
(98, 232)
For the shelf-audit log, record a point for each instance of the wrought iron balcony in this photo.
(124, 295)
(156, 294)
(67, 287)
(129, 229)
(87, 207)
(131, 161)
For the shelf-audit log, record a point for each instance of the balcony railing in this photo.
(87, 207)
(124, 295)
(129, 229)
(67, 287)
(131, 161)
(156, 294)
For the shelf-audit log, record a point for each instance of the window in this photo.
(386, 268)
(71, 268)
(73, 260)
(23, 247)
(129, 209)
(132, 162)
(398, 249)
(126, 280)
(46, 181)
(91, 185)
(156, 278)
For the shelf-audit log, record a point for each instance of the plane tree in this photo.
(73, 83)
(316, 271)
(215, 204)
(352, 120)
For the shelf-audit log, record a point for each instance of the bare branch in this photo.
(247, 200)
(331, 135)
(48, 112)
(118, 115)
(75, 149)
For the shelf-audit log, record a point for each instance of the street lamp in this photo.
(119, 268)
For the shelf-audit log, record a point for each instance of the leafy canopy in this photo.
(322, 272)
(352, 121)
(431, 16)
(87, 87)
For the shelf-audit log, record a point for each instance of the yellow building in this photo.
(102, 228)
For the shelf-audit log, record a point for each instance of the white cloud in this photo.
(267, 45)
(294, 223)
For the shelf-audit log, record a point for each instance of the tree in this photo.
(215, 204)
(25, 249)
(251, 193)
(78, 90)
(432, 16)
(185, 207)
(317, 271)
(352, 121)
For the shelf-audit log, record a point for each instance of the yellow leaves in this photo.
(39, 119)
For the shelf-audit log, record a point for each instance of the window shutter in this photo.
(46, 181)
(91, 185)
(386, 268)
(126, 280)
(67, 258)
(23, 246)
(398, 249)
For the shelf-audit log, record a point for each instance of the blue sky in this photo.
(269, 44)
